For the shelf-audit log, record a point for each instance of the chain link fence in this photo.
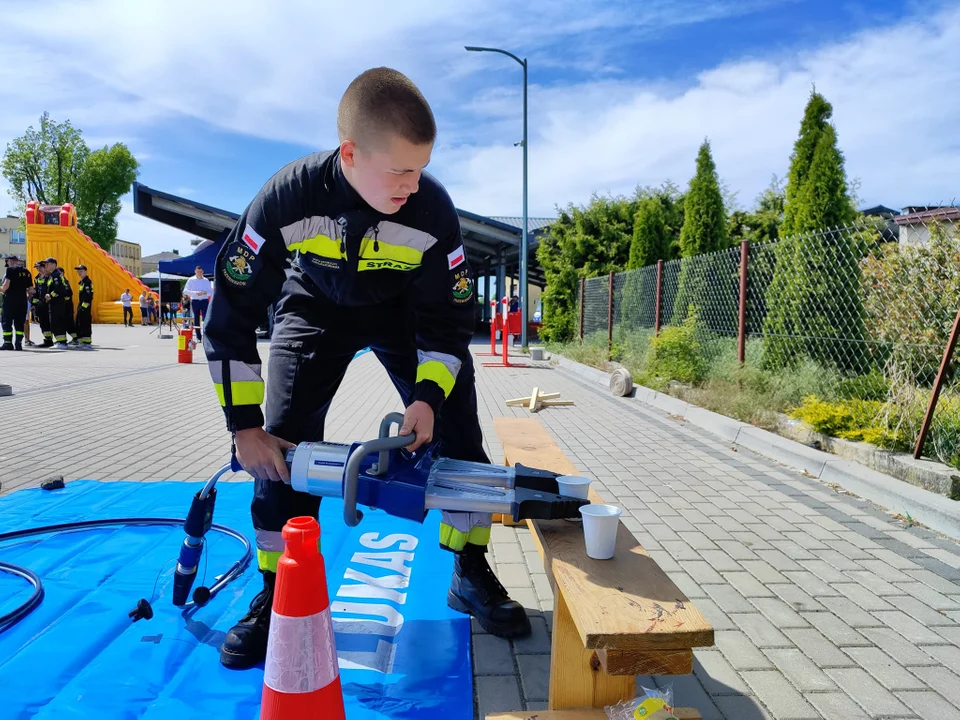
(844, 328)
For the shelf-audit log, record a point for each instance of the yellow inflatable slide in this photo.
(52, 232)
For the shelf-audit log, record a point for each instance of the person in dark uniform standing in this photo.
(14, 286)
(58, 292)
(41, 311)
(84, 326)
(376, 260)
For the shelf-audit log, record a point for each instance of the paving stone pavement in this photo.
(823, 605)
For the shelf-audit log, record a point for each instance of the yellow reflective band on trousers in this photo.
(321, 245)
(439, 373)
(455, 539)
(244, 392)
(380, 255)
(267, 559)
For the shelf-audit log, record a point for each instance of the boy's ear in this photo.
(348, 151)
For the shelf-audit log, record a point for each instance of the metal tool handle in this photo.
(383, 462)
(351, 476)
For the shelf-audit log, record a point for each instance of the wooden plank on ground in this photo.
(625, 603)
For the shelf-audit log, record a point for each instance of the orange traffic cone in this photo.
(301, 678)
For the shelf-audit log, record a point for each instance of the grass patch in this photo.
(702, 368)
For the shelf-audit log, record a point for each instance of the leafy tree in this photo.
(816, 117)
(583, 242)
(762, 224)
(706, 273)
(814, 300)
(704, 224)
(671, 200)
(46, 164)
(54, 166)
(107, 176)
(649, 243)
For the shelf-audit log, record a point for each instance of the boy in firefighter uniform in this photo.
(41, 309)
(14, 286)
(84, 324)
(376, 260)
(60, 301)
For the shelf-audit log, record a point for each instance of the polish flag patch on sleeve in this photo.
(252, 239)
(455, 258)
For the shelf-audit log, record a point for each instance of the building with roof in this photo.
(915, 222)
(128, 254)
(492, 244)
(151, 263)
(13, 239)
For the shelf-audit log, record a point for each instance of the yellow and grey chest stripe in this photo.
(390, 246)
(318, 235)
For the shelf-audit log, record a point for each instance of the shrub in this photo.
(872, 386)
(909, 306)
(824, 417)
(882, 424)
(677, 353)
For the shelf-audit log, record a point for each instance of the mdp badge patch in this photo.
(462, 286)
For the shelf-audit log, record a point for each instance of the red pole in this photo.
(742, 328)
(656, 311)
(583, 296)
(610, 320)
(937, 387)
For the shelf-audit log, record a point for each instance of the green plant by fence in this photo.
(844, 328)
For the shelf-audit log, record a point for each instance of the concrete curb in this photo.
(937, 512)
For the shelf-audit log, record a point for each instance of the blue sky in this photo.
(214, 96)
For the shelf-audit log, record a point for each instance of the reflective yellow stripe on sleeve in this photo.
(246, 386)
(249, 392)
(439, 373)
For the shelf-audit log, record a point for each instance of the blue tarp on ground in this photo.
(403, 654)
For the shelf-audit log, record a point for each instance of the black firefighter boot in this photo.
(246, 642)
(477, 591)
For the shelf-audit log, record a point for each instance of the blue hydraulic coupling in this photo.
(197, 524)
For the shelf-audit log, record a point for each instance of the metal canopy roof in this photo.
(483, 237)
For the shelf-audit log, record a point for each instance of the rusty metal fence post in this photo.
(610, 320)
(659, 298)
(742, 323)
(583, 297)
(937, 387)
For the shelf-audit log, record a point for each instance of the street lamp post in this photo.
(524, 312)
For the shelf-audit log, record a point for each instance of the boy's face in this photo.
(385, 177)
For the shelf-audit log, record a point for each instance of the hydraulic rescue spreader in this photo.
(380, 474)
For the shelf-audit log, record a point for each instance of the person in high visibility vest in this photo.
(376, 260)
(84, 324)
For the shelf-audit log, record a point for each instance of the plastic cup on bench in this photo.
(600, 525)
(574, 486)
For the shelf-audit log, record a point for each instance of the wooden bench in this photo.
(612, 619)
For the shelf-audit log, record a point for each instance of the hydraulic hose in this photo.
(11, 618)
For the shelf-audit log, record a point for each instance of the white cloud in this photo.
(896, 112)
(122, 70)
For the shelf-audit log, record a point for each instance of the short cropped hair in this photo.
(380, 102)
